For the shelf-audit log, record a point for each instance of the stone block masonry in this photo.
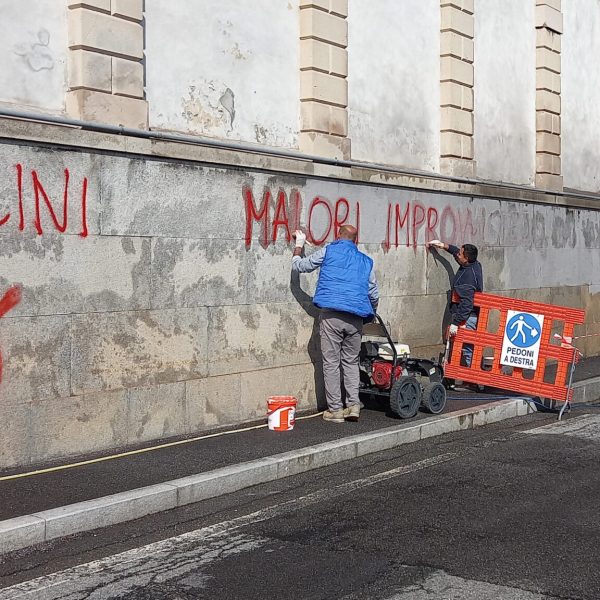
(549, 26)
(157, 299)
(456, 87)
(106, 74)
(323, 78)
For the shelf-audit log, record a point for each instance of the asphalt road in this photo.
(506, 512)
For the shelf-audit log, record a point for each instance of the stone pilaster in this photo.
(456, 87)
(323, 78)
(549, 27)
(106, 73)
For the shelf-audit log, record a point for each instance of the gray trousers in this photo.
(340, 346)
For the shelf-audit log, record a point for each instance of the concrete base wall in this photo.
(160, 303)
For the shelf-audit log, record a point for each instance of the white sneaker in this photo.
(352, 412)
(336, 416)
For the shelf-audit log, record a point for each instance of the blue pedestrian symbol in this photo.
(523, 330)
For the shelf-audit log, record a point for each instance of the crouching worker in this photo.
(467, 281)
(346, 293)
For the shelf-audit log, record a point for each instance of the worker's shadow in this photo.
(449, 267)
(314, 344)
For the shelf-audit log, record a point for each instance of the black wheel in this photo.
(405, 397)
(434, 397)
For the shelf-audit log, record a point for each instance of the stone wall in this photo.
(157, 299)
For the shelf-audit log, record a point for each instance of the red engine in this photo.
(382, 373)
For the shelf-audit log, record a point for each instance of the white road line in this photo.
(585, 427)
(441, 586)
(133, 567)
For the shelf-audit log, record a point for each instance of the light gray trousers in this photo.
(341, 334)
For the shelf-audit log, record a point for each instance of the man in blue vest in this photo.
(346, 293)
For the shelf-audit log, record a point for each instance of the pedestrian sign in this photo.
(513, 344)
(521, 343)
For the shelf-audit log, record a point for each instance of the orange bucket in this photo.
(281, 413)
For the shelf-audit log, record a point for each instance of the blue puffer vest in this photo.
(344, 280)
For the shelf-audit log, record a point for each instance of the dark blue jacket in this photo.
(467, 281)
(344, 280)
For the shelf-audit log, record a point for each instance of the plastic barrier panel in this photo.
(515, 347)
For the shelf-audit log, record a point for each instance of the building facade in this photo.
(156, 156)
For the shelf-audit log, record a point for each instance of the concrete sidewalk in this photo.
(101, 491)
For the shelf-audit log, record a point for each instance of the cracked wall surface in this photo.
(233, 75)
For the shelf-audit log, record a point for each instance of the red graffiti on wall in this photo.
(41, 198)
(287, 215)
(408, 223)
(337, 214)
(287, 210)
(8, 302)
(452, 224)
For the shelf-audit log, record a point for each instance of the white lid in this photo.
(385, 350)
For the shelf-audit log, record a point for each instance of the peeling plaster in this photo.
(227, 101)
(209, 106)
(38, 56)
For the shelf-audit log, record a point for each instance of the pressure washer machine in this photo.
(388, 371)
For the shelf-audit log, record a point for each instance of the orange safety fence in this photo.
(554, 360)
